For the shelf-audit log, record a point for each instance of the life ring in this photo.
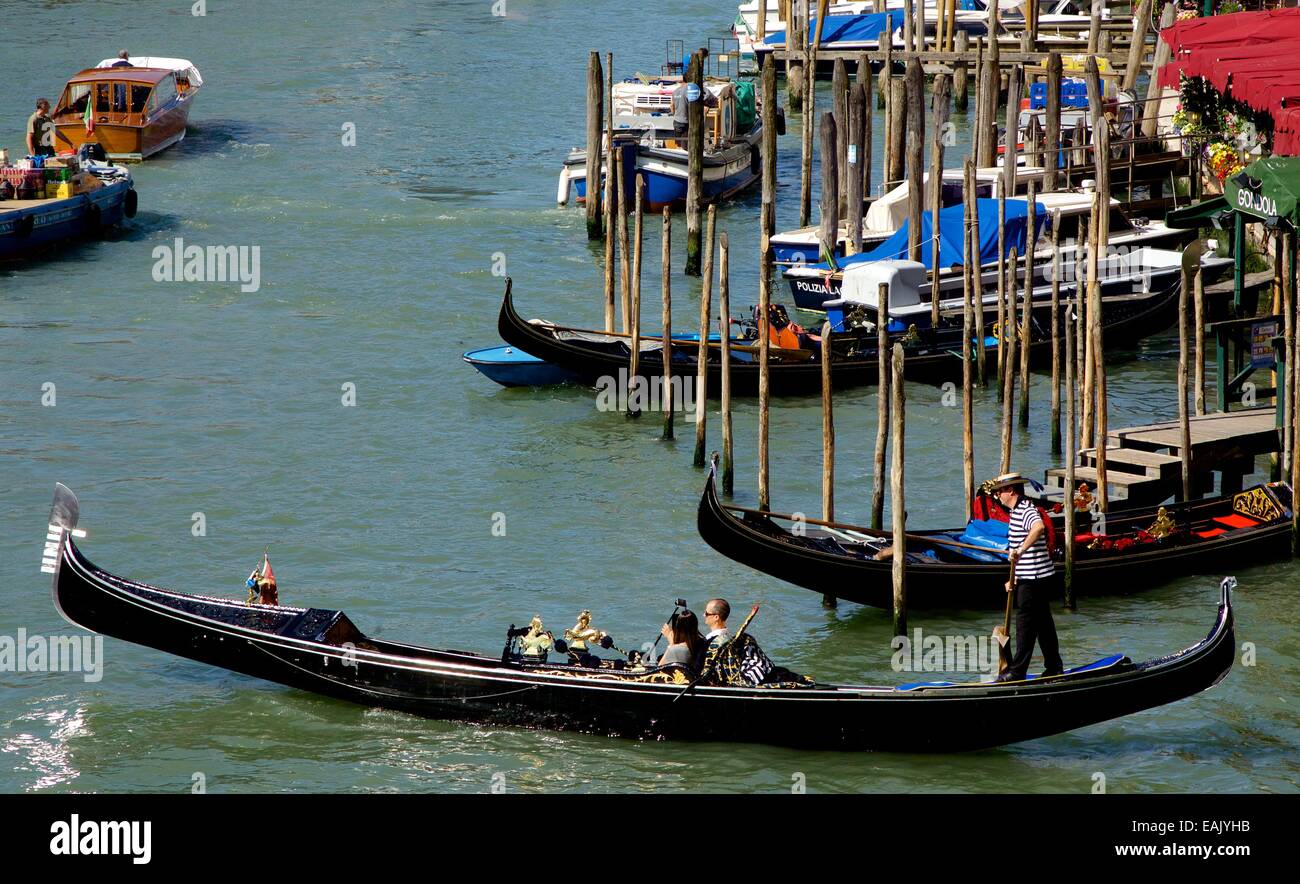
(93, 216)
(131, 203)
(23, 226)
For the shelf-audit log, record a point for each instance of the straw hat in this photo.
(1006, 480)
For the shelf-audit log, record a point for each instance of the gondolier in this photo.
(1032, 572)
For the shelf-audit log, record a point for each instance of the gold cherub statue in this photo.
(537, 641)
(1163, 526)
(1083, 499)
(582, 633)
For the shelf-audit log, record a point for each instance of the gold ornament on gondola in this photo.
(537, 641)
(582, 633)
(1083, 498)
(1163, 526)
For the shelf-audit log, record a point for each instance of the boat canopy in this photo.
(862, 284)
(183, 67)
(845, 28)
(951, 228)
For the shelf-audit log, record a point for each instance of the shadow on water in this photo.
(209, 136)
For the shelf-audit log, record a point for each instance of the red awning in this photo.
(1251, 57)
(1201, 41)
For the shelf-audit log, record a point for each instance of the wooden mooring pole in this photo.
(898, 505)
(666, 394)
(1056, 334)
(941, 99)
(1070, 457)
(633, 375)
(702, 351)
(828, 442)
(595, 131)
(1184, 423)
(858, 152)
(624, 253)
(1007, 343)
(961, 75)
(915, 85)
(1027, 308)
(724, 327)
(968, 355)
(882, 405)
(694, 160)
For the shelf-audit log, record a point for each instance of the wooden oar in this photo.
(684, 342)
(1002, 634)
(872, 532)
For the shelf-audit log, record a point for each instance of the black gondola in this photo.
(323, 652)
(933, 355)
(1221, 533)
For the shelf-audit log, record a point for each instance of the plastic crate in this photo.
(1074, 93)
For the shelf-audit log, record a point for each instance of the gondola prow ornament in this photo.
(261, 583)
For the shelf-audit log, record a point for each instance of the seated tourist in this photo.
(685, 644)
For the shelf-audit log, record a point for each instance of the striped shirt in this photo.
(1035, 563)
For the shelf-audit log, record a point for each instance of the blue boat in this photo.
(512, 367)
(649, 146)
(30, 226)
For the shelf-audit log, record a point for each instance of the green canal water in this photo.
(175, 398)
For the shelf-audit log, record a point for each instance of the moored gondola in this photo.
(965, 568)
(322, 651)
(933, 355)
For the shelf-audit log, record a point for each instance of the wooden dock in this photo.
(1143, 464)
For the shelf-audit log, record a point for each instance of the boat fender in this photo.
(780, 121)
(132, 201)
(755, 159)
(23, 226)
(92, 217)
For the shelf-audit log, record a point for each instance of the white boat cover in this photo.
(180, 65)
(862, 283)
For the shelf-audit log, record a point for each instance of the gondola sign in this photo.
(1261, 343)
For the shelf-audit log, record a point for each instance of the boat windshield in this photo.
(109, 97)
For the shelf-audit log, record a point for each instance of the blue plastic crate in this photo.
(1074, 93)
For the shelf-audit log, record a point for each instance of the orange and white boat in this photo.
(132, 112)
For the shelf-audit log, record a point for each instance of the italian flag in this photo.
(90, 112)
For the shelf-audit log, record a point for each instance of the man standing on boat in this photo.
(1032, 572)
(123, 60)
(683, 95)
(40, 131)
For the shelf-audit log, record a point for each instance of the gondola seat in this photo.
(1211, 532)
(1236, 520)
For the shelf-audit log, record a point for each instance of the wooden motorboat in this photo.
(132, 112)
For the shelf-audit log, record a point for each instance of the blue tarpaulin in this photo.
(847, 28)
(854, 28)
(951, 223)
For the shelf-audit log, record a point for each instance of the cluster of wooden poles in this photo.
(845, 144)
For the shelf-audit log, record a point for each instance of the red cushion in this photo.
(1236, 520)
(1213, 532)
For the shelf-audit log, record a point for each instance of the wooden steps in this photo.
(1135, 461)
(1143, 467)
